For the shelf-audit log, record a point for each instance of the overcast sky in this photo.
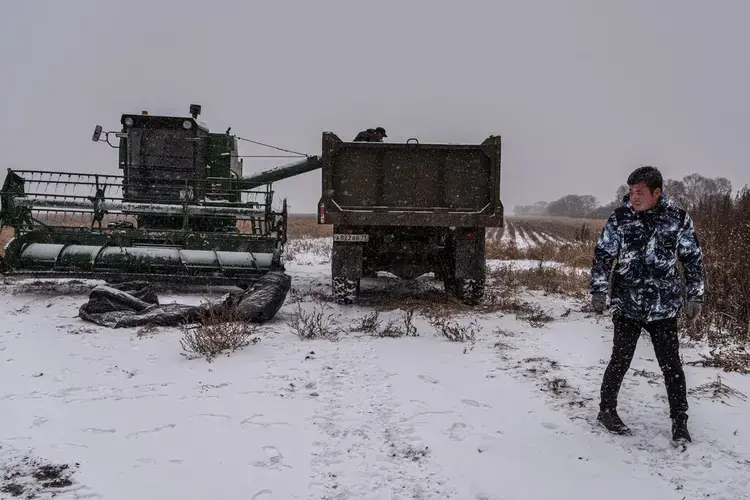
(582, 89)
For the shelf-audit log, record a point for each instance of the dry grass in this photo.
(306, 226)
(730, 358)
(717, 391)
(562, 228)
(723, 226)
(373, 325)
(453, 330)
(315, 324)
(577, 255)
(551, 280)
(216, 333)
(5, 235)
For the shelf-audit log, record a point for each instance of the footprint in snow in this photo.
(95, 430)
(549, 425)
(274, 459)
(255, 420)
(475, 404)
(151, 431)
(428, 379)
(459, 431)
(264, 494)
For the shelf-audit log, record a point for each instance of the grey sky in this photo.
(585, 89)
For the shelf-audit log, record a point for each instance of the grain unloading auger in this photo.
(181, 211)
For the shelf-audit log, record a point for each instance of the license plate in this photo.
(359, 238)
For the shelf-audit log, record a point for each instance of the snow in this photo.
(511, 416)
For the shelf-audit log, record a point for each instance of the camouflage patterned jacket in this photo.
(646, 247)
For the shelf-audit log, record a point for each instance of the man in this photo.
(646, 236)
(371, 135)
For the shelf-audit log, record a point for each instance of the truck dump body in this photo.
(410, 184)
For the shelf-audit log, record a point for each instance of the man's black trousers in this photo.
(666, 348)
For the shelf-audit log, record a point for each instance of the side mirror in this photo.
(97, 133)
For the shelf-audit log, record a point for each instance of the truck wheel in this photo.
(346, 271)
(469, 269)
(345, 290)
(448, 266)
(470, 290)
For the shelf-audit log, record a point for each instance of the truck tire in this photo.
(448, 268)
(469, 272)
(346, 271)
(345, 290)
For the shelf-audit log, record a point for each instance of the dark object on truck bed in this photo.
(410, 209)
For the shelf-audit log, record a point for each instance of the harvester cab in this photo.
(180, 210)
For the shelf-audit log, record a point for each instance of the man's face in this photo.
(642, 198)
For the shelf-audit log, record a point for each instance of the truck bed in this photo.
(410, 184)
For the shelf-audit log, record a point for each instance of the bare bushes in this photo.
(723, 227)
(506, 284)
(453, 330)
(217, 332)
(373, 325)
(315, 324)
(574, 254)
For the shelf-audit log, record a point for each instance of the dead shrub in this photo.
(717, 391)
(217, 332)
(368, 324)
(394, 328)
(723, 226)
(536, 316)
(552, 280)
(453, 330)
(730, 358)
(315, 324)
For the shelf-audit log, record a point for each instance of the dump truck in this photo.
(410, 209)
(180, 211)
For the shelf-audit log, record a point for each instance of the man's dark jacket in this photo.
(368, 135)
(646, 247)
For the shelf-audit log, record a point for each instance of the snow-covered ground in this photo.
(508, 416)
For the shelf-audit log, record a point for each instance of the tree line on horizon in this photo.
(688, 191)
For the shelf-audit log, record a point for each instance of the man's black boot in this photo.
(610, 420)
(679, 429)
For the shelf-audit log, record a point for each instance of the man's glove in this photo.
(598, 302)
(693, 310)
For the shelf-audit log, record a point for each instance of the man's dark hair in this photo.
(649, 176)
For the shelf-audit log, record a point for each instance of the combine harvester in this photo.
(180, 213)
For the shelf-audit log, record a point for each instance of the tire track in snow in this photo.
(368, 451)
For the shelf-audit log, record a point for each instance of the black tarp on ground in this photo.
(135, 303)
